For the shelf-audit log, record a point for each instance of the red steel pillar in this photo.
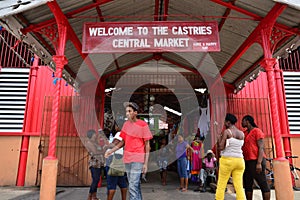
(27, 123)
(283, 189)
(102, 102)
(268, 64)
(50, 163)
(60, 62)
(49, 171)
(282, 110)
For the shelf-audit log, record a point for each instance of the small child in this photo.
(163, 161)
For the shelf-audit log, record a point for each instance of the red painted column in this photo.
(102, 93)
(50, 163)
(282, 109)
(282, 179)
(27, 123)
(268, 64)
(60, 62)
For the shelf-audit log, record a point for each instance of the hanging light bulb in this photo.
(152, 98)
(240, 86)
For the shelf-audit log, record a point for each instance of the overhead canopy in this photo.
(292, 3)
(9, 7)
(237, 20)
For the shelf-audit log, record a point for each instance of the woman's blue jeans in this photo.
(95, 172)
(181, 167)
(134, 171)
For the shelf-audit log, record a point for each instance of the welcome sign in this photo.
(109, 37)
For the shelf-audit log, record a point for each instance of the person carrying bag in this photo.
(117, 167)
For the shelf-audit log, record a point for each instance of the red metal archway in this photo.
(267, 28)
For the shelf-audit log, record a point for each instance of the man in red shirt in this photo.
(136, 136)
(255, 163)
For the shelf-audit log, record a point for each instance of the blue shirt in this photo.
(181, 150)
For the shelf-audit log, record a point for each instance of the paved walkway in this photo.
(151, 190)
(149, 193)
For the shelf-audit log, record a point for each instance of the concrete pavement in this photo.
(151, 190)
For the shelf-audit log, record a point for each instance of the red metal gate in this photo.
(70, 151)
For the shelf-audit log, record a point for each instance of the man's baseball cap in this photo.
(131, 104)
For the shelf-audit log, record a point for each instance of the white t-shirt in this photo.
(119, 151)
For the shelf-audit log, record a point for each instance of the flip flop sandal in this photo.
(183, 190)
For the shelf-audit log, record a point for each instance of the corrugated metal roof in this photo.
(236, 29)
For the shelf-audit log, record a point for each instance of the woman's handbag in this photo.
(117, 167)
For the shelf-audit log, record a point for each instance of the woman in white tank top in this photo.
(230, 144)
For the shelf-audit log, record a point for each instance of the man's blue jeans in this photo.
(134, 171)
